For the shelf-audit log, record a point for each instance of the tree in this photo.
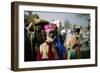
(66, 24)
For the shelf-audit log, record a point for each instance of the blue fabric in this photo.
(60, 48)
(72, 56)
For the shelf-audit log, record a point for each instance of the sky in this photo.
(74, 18)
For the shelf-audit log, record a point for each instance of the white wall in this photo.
(5, 34)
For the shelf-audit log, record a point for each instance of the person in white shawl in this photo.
(69, 34)
(72, 44)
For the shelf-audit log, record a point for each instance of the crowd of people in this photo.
(44, 40)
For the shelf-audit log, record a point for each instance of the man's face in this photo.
(51, 36)
(36, 20)
(77, 34)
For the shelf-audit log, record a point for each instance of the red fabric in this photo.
(65, 56)
(51, 55)
(39, 56)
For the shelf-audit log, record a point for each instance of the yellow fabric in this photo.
(72, 41)
(69, 44)
(44, 50)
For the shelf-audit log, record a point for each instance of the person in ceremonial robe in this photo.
(47, 50)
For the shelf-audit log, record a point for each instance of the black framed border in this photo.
(15, 34)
